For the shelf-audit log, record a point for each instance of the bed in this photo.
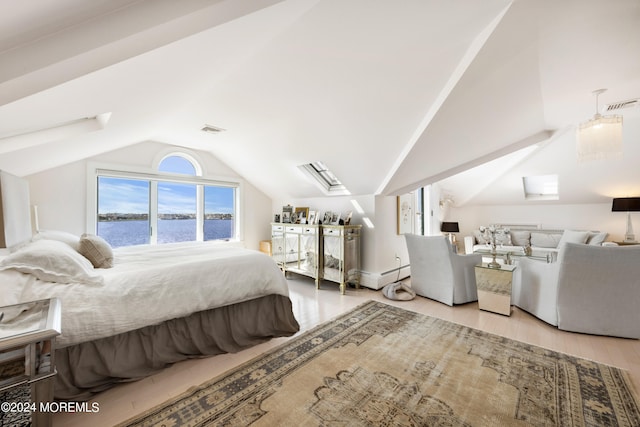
(156, 304)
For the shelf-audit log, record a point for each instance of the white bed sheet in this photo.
(150, 284)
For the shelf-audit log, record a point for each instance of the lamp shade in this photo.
(626, 204)
(449, 227)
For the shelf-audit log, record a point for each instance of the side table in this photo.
(494, 288)
(26, 330)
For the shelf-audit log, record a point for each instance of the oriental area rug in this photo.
(380, 365)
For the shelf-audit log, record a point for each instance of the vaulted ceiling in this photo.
(390, 95)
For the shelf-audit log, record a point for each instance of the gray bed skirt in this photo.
(91, 367)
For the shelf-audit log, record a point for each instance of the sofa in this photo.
(590, 289)
(514, 240)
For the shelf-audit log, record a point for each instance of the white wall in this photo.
(549, 216)
(60, 193)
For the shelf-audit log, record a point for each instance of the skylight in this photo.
(324, 178)
(540, 187)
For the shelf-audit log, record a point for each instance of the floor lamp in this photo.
(628, 205)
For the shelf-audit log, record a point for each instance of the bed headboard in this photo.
(15, 211)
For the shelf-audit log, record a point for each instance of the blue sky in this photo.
(132, 196)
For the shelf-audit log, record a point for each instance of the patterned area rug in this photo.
(19, 394)
(384, 366)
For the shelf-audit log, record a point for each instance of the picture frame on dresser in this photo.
(301, 215)
(287, 212)
(312, 217)
(335, 218)
(347, 218)
(326, 220)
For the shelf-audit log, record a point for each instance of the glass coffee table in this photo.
(504, 253)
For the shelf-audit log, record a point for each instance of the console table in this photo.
(26, 329)
(494, 288)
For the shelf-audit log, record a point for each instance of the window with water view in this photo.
(127, 214)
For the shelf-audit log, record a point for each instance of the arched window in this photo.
(176, 163)
(173, 205)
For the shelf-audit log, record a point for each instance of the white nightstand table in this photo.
(494, 288)
(25, 331)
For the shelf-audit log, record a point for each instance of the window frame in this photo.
(96, 169)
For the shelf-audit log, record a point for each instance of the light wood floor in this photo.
(312, 307)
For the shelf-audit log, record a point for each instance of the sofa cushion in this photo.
(521, 237)
(596, 238)
(572, 236)
(545, 240)
(503, 237)
(479, 237)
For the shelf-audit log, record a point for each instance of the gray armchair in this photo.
(591, 289)
(438, 273)
(599, 290)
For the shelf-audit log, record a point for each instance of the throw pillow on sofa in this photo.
(480, 237)
(503, 237)
(596, 239)
(521, 238)
(571, 236)
(545, 240)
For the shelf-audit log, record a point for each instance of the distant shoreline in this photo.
(145, 217)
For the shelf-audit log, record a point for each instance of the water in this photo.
(127, 233)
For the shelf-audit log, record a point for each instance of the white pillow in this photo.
(545, 240)
(571, 236)
(596, 238)
(521, 237)
(61, 236)
(52, 261)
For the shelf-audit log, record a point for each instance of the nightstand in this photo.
(25, 330)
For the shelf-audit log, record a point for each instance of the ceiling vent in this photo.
(621, 105)
(212, 129)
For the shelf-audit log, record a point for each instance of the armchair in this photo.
(440, 274)
(591, 289)
(599, 290)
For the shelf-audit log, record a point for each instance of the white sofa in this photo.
(591, 289)
(541, 241)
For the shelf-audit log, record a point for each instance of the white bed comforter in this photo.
(151, 284)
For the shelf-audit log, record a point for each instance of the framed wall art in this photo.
(405, 213)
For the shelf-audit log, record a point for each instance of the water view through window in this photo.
(124, 209)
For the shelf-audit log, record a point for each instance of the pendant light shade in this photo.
(600, 137)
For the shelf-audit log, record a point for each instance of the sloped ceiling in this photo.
(390, 95)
